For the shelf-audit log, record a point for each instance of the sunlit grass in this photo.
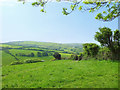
(62, 74)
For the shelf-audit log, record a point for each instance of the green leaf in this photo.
(80, 8)
(42, 10)
(104, 12)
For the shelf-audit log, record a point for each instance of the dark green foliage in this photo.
(104, 54)
(74, 57)
(104, 36)
(110, 40)
(27, 61)
(57, 56)
(50, 54)
(44, 54)
(25, 55)
(32, 54)
(16, 63)
(32, 60)
(90, 49)
(39, 54)
(80, 57)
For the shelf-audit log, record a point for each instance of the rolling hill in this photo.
(11, 50)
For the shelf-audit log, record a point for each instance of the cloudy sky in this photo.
(23, 22)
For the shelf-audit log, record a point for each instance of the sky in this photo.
(23, 22)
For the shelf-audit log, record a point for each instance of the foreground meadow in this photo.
(61, 74)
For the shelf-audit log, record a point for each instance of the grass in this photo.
(62, 74)
(7, 58)
(65, 55)
(15, 51)
(9, 46)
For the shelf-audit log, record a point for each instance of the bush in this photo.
(91, 49)
(16, 63)
(39, 54)
(80, 57)
(57, 56)
(74, 57)
(33, 60)
(105, 54)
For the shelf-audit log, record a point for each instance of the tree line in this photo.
(39, 54)
(109, 49)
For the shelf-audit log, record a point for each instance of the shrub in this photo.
(57, 56)
(33, 60)
(74, 57)
(44, 54)
(90, 49)
(16, 62)
(80, 57)
(39, 54)
(32, 55)
(105, 54)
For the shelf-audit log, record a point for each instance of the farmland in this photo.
(54, 73)
(11, 50)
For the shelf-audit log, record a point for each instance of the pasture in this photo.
(61, 74)
(54, 74)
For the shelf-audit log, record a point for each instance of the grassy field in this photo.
(61, 74)
(15, 51)
(54, 74)
(7, 58)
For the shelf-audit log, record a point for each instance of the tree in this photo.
(39, 54)
(44, 54)
(110, 40)
(112, 7)
(104, 36)
(57, 56)
(74, 57)
(91, 49)
(80, 57)
(32, 55)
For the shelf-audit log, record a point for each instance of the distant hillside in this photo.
(35, 43)
(44, 44)
(59, 47)
(74, 44)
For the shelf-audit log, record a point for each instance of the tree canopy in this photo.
(112, 7)
(109, 39)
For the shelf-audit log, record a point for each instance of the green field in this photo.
(7, 58)
(54, 73)
(62, 74)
